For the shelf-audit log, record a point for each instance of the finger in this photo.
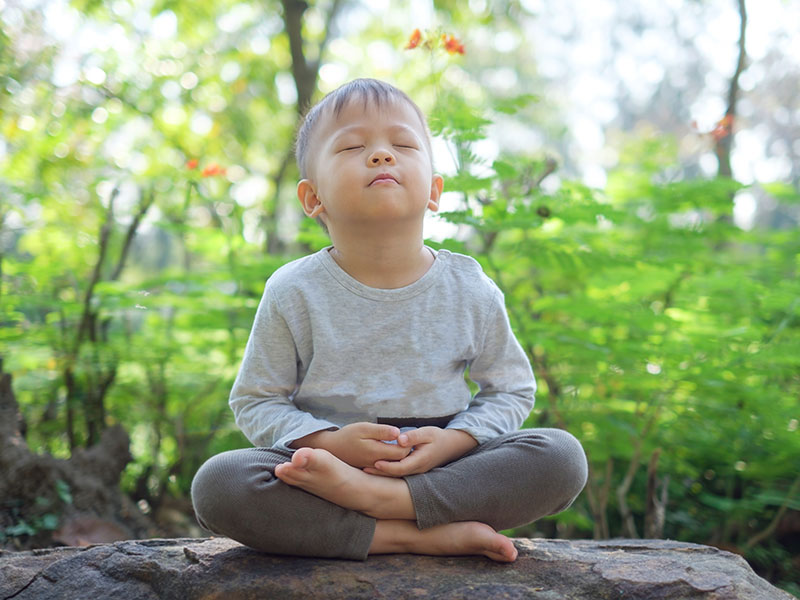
(382, 473)
(374, 471)
(382, 451)
(398, 468)
(414, 437)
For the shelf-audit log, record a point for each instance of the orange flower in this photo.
(723, 128)
(430, 41)
(413, 41)
(212, 170)
(452, 45)
(191, 164)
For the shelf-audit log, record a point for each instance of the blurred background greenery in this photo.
(628, 173)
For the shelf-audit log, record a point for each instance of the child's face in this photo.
(370, 165)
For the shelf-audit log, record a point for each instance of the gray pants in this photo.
(506, 482)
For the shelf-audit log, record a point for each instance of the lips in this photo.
(383, 177)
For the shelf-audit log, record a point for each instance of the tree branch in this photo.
(598, 503)
(773, 525)
(329, 21)
(628, 524)
(553, 387)
(144, 206)
(105, 235)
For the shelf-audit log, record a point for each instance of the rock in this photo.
(216, 568)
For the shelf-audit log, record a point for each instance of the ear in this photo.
(309, 199)
(437, 185)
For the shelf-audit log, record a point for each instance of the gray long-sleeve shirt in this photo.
(326, 350)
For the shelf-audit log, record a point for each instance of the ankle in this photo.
(393, 536)
(389, 499)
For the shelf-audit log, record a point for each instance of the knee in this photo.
(561, 455)
(207, 488)
(224, 482)
(574, 458)
(569, 464)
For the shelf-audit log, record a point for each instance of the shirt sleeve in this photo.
(505, 378)
(261, 395)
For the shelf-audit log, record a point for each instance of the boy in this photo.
(352, 383)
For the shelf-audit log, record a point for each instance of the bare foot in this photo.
(452, 539)
(319, 472)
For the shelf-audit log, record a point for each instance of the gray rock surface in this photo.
(189, 569)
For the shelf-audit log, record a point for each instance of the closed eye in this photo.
(351, 148)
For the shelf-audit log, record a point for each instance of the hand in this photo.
(358, 444)
(432, 447)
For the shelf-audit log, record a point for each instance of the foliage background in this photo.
(147, 191)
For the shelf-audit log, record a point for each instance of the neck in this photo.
(382, 260)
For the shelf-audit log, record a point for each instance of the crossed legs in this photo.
(309, 503)
(388, 500)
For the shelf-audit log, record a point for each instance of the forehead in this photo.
(363, 112)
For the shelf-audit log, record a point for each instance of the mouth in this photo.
(383, 178)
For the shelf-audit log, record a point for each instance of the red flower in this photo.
(452, 45)
(413, 41)
(212, 170)
(191, 164)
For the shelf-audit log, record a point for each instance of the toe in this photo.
(509, 551)
(300, 459)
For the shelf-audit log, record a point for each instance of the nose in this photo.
(380, 157)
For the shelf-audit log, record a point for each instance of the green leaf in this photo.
(48, 522)
(783, 192)
(511, 106)
(63, 491)
(19, 529)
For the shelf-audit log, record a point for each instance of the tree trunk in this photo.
(45, 501)
(655, 511)
(723, 133)
(305, 74)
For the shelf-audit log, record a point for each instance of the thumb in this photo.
(414, 437)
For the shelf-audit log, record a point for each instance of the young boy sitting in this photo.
(352, 389)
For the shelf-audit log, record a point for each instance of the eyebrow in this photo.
(398, 128)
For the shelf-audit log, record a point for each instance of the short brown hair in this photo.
(369, 90)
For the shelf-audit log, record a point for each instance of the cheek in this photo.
(338, 168)
(425, 176)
